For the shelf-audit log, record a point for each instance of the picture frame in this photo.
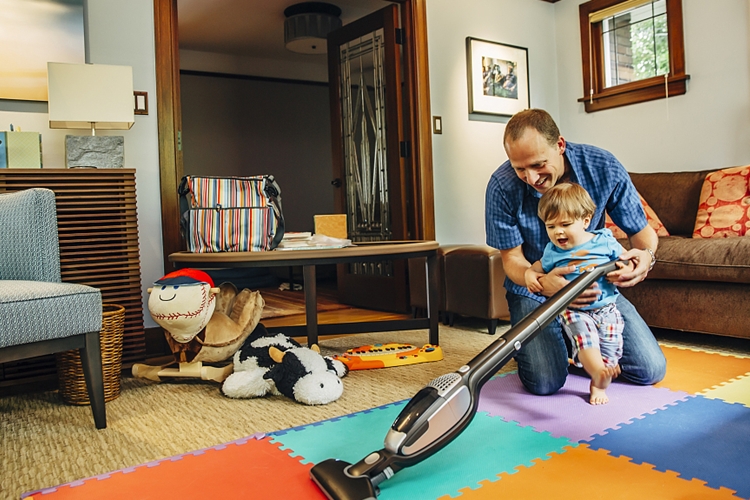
(498, 77)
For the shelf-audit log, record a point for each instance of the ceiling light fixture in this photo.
(307, 25)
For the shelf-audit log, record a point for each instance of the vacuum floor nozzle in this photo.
(332, 478)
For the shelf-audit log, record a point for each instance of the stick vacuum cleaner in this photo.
(439, 412)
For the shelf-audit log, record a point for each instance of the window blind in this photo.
(600, 15)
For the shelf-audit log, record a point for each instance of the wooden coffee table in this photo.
(308, 259)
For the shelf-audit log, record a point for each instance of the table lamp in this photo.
(93, 97)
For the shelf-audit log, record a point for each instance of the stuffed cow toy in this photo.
(269, 363)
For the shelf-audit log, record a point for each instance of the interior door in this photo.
(370, 154)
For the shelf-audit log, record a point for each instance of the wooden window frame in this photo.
(644, 90)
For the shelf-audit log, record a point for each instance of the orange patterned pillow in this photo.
(724, 206)
(651, 217)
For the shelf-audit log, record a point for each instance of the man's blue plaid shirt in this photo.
(511, 204)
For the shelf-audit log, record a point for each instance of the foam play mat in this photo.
(688, 437)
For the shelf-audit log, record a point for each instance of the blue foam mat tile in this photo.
(700, 438)
(471, 458)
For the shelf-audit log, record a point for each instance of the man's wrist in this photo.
(653, 258)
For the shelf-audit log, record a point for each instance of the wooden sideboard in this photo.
(98, 233)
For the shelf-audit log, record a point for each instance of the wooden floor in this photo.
(345, 314)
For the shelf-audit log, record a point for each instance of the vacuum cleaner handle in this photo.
(442, 409)
(483, 366)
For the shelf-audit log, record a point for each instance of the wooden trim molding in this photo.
(592, 57)
(169, 124)
(417, 69)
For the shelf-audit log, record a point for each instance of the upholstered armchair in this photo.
(39, 314)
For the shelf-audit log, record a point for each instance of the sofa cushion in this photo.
(674, 196)
(724, 207)
(651, 217)
(724, 260)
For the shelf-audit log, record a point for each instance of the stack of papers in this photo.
(307, 241)
(296, 236)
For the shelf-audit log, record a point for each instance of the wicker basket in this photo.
(70, 372)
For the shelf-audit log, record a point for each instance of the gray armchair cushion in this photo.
(31, 311)
(28, 246)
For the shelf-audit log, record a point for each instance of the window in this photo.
(632, 51)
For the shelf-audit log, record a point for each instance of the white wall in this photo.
(708, 127)
(470, 148)
(123, 33)
(120, 33)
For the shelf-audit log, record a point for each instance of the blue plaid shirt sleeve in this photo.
(609, 185)
(625, 208)
(501, 228)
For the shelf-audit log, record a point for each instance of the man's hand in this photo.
(555, 280)
(631, 272)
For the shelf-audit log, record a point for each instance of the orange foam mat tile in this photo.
(694, 371)
(255, 469)
(584, 473)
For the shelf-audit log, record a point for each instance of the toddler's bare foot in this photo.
(599, 383)
(598, 396)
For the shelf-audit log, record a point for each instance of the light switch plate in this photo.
(437, 124)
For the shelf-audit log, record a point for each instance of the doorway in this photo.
(416, 91)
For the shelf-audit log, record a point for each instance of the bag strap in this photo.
(273, 191)
(184, 190)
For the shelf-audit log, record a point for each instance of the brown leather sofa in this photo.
(697, 285)
(471, 284)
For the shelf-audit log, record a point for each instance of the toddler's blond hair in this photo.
(568, 199)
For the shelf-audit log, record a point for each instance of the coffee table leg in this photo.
(431, 272)
(311, 304)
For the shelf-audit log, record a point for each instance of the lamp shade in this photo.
(90, 96)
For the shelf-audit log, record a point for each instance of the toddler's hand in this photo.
(532, 280)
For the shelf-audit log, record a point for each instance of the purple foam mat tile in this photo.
(568, 413)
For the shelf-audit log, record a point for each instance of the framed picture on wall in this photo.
(33, 34)
(498, 77)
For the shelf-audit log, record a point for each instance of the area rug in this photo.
(687, 437)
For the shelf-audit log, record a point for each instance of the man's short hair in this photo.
(538, 119)
(566, 199)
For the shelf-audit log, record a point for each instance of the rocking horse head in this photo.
(182, 303)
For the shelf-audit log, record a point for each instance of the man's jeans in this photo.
(543, 362)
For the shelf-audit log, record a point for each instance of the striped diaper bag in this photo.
(231, 214)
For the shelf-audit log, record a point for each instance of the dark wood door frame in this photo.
(417, 89)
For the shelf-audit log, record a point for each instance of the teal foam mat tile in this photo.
(488, 447)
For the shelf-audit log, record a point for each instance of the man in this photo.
(538, 158)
